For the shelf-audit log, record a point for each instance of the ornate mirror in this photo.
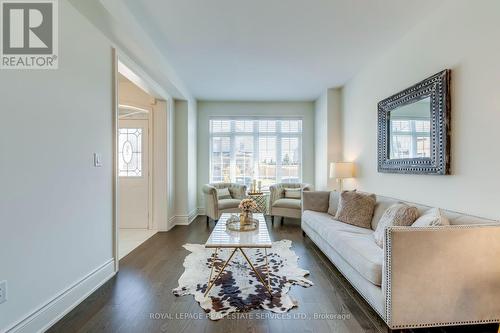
(414, 128)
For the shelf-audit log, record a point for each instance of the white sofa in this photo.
(423, 277)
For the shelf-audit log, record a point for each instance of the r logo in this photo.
(27, 27)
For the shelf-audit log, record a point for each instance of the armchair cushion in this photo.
(287, 203)
(228, 203)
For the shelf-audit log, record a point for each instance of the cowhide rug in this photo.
(238, 289)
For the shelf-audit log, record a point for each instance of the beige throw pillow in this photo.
(432, 217)
(293, 193)
(356, 208)
(399, 214)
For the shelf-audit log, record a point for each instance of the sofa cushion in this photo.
(229, 203)
(324, 224)
(333, 203)
(356, 208)
(287, 203)
(433, 217)
(399, 214)
(362, 253)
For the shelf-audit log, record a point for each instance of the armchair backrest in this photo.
(278, 190)
(238, 191)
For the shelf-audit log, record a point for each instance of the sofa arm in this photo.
(315, 200)
(437, 276)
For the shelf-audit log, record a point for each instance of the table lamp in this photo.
(341, 171)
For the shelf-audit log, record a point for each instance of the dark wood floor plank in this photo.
(142, 289)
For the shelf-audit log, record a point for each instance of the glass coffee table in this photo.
(221, 238)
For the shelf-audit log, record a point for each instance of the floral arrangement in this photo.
(247, 205)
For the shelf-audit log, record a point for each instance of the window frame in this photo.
(277, 134)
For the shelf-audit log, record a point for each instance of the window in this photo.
(130, 152)
(410, 138)
(265, 149)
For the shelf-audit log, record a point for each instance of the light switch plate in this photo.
(97, 160)
(3, 291)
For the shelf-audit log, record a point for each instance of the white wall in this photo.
(327, 136)
(462, 36)
(206, 109)
(56, 208)
(185, 161)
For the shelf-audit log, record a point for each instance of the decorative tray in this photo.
(233, 224)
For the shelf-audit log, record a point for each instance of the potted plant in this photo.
(247, 206)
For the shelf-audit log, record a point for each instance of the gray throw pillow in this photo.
(333, 203)
(398, 214)
(356, 208)
(223, 193)
(293, 193)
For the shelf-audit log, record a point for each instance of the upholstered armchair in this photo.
(214, 206)
(285, 200)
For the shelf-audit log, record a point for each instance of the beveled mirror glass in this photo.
(410, 130)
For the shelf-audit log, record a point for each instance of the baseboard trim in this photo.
(185, 219)
(49, 313)
(201, 211)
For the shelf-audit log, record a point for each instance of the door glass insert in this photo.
(130, 152)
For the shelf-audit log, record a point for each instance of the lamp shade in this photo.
(341, 170)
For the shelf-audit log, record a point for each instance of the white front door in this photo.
(133, 173)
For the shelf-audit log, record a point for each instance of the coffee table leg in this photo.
(267, 269)
(214, 257)
(257, 273)
(222, 270)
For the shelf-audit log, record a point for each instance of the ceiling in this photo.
(273, 49)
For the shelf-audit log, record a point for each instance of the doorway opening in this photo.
(134, 165)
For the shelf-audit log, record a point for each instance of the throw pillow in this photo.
(223, 193)
(333, 203)
(293, 193)
(356, 208)
(432, 217)
(398, 214)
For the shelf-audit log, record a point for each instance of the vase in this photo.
(245, 217)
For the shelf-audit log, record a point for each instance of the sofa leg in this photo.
(282, 219)
(303, 233)
(272, 220)
(208, 220)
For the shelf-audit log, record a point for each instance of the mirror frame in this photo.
(437, 87)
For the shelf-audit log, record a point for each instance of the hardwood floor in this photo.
(139, 298)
